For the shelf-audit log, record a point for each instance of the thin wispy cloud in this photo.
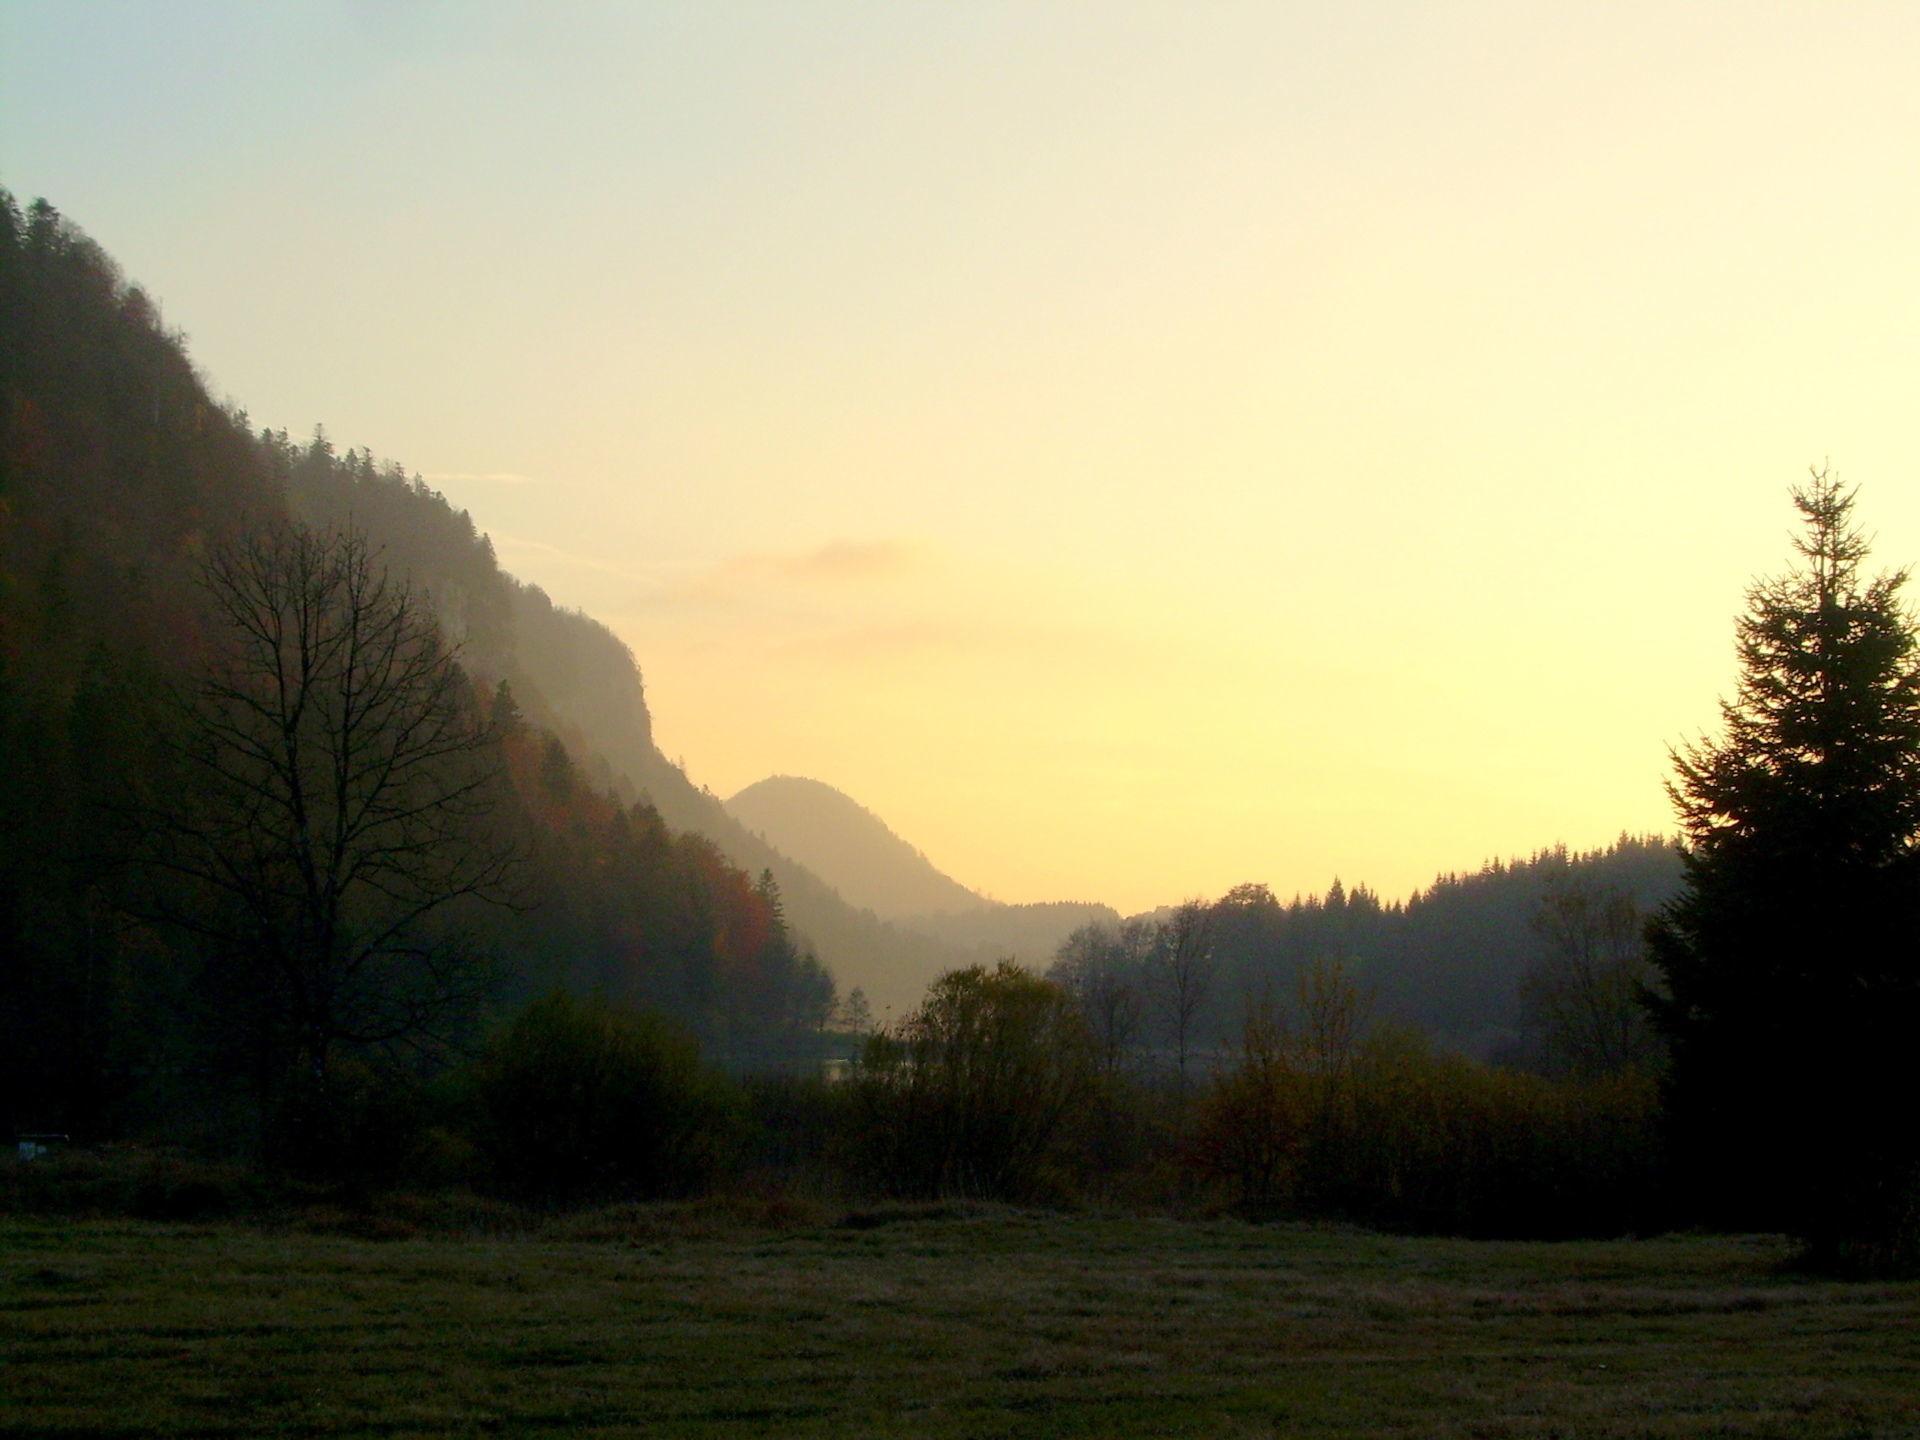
(898, 640)
(882, 602)
(832, 563)
(1023, 642)
(837, 565)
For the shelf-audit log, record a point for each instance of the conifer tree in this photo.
(1792, 983)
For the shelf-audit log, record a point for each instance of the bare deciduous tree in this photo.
(340, 783)
(1286, 1096)
(1582, 996)
(1180, 975)
(1102, 970)
(968, 1094)
(1334, 1012)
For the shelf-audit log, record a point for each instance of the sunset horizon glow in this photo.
(1132, 450)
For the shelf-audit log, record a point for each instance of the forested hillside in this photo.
(849, 847)
(1454, 960)
(134, 979)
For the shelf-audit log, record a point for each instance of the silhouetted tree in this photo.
(556, 768)
(967, 1095)
(1252, 1121)
(1103, 970)
(852, 1014)
(1180, 975)
(1793, 988)
(1580, 999)
(339, 788)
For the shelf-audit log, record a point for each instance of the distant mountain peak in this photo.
(849, 847)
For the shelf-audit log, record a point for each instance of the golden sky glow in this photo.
(1132, 448)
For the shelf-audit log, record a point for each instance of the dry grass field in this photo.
(956, 1323)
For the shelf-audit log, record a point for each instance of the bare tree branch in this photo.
(342, 789)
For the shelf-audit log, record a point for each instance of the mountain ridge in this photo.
(873, 866)
(849, 847)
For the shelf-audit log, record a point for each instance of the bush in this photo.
(1442, 1143)
(585, 1100)
(967, 1096)
(365, 1126)
(794, 1138)
(1251, 1121)
(157, 1184)
(1407, 1138)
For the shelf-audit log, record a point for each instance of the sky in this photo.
(1134, 449)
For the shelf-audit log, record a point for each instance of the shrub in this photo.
(1439, 1142)
(1408, 1138)
(795, 1132)
(364, 1126)
(582, 1099)
(157, 1184)
(1252, 1118)
(967, 1096)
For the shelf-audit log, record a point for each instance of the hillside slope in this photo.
(575, 677)
(849, 847)
(855, 851)
(119, 473)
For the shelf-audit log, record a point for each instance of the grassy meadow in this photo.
(958, 1321)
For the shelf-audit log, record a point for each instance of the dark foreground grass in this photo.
(969, 1324)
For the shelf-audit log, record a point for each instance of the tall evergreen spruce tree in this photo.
(1791, 971)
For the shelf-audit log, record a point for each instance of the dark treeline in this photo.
(1466, 959)
(135, 994)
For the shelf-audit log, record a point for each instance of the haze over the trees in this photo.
(123, 479)
(327, 844)
(1272, 442)
(852, 849)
